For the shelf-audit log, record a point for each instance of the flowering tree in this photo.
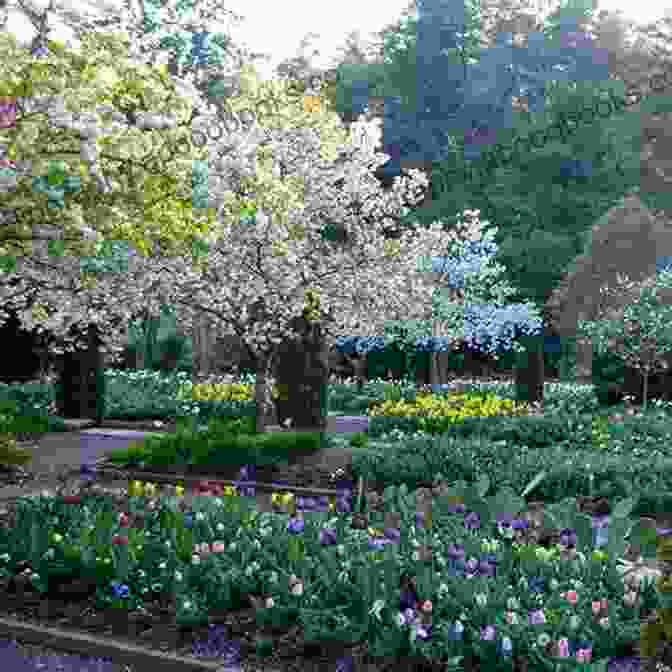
(70, 119)
(639, 332)
(469, 304)
(282, 216)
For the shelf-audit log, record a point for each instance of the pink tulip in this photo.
(583, 655)
(218, 547)
(426, 606)
(563, 648)
(123, 520)
(571, 596)
(599, 606)
(119, 540)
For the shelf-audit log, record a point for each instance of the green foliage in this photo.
(607, 376)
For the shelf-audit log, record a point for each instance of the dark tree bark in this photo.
(302, 377)
(80, 386)
(529, 372)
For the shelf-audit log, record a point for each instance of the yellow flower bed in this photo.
(220, 392)
(454, 407)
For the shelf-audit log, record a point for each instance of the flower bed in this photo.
(369, 577)
(374, 582)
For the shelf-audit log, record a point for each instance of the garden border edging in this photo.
(120, 652)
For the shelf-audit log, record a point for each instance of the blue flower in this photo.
(119, 589)
(536, 584)
(295, 525)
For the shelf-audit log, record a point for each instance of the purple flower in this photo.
(327, 536)
(568, 537)
(537, 617)
(392, 534)
(247, 473)
(472, 565)
(343, 505)
(488, 633)
(455, 551)
(487, 565)
(423, 631)
(472, 520)
(295, 525)
(376, 543)
(344, 664)
(456, 508)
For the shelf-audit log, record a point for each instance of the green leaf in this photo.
(534, 483)
(483, 485)
(623, 508)
(56, 248)
(8, 263)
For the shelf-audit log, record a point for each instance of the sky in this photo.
(278, 28)
(266, 28)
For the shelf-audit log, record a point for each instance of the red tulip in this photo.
(72, 499)
(119, 540)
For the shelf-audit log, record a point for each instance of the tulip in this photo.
(571, 596)
(563, 648)
(119, 540)
(218, 547)
(123, 520)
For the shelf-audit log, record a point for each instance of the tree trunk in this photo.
(266, 414)
(584, 361)
(203, 344)
(302, 377)
(80, 386)
(529, 372)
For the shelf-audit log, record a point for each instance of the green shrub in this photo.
(607, 376)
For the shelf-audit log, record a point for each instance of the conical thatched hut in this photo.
(627, 240)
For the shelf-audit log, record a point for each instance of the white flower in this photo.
(195, 559)
(270, 603)
(297, 589)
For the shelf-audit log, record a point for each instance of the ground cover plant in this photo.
(391, 574)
